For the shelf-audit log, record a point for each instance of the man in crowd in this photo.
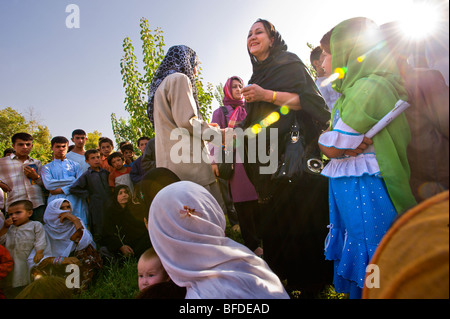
(20, 175)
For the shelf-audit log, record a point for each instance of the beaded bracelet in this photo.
(58, 260)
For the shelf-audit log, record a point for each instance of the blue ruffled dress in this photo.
(361, 210)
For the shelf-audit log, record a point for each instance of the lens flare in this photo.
(273, 117)
(341, 72)
(330, 79)
(256, 129)
(419, 20)
(284, 110)
(270, 119)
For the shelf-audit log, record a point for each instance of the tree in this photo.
(218, 93)
(92, 140)
(136, 86)
(310, 67)
(13, 122)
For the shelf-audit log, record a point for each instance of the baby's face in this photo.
(151, 272)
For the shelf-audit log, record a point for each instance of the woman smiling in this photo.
(294, 215)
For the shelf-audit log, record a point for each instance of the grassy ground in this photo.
(119, 280)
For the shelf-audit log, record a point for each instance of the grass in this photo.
(119, 279)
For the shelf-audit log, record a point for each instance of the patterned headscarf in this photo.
(179, 59)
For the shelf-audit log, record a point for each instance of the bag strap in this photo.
(225, 111)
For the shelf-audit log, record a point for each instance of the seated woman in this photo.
(68, 242)
(187, 230)
(124, 231)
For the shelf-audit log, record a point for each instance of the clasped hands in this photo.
(332, 152)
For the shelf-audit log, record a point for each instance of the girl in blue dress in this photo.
(369, 188)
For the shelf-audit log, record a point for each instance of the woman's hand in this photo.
(255, 93)
(215, 169)
(74, 219)
(76, 236)
(126, 250)
(68, 216)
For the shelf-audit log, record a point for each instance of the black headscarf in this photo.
(179, 59)
(155, 180)
(125, 225)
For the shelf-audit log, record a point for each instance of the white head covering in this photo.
(187, 230)
(58, 234)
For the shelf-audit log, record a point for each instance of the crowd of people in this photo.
(298, 234)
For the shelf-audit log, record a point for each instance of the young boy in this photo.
(150, 270)
(106, 147)
(22, 235)
(79, 139)
(120, 174)
(329, 95)
(93, 185)
(128, 154)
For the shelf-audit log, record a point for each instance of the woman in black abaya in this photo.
(294, 214)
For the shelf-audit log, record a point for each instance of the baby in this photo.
(22, 235)
(150, 270)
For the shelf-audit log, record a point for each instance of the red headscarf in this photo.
(228, 97)
(239, 112)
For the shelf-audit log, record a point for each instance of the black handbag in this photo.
(225, 169)
(297, 158)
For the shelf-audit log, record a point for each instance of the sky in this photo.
(70, 77)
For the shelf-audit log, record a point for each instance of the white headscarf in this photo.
(187, 230)
(58, 234)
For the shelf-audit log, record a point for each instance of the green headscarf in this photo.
(370, 88)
